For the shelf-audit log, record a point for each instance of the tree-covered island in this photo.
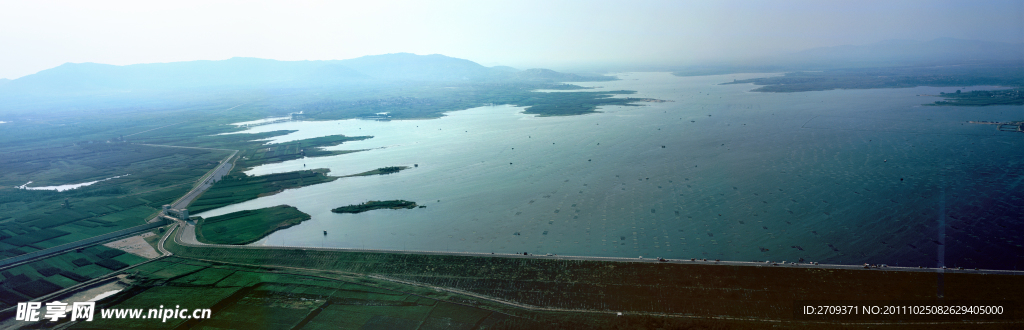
(374, 205)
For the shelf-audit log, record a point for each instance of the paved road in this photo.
(187, 237)
(160, 245)
(207, 181)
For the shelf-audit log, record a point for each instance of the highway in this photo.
(206, 182)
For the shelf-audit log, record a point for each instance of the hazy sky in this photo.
(36, 35)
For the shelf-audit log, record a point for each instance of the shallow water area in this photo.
(66, 187)
(846, 176)
(263, 121)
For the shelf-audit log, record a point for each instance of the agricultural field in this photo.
(274, 295)
(32, 280)
(302, 289)
(280, 298)
(244, 227)
(256, 297)
(143, 179)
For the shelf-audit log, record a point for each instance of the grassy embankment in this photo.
(375, 205)
(36, 279)
(244, 227)
(686, 289)
(267, 297)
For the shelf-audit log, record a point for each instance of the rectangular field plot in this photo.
(207, 276)
(129, 259)
(458, 314)
(91, 271)
(248, 315)
(267, 307)
(245, 278)
(353, 317)
(167, 269)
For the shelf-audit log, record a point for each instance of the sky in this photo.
(37, 35)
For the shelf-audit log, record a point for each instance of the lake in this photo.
(845, 176)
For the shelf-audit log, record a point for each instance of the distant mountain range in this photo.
(262, 73)
(910, 52)
(889, 53)
(244, 73)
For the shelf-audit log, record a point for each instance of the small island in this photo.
(373, 205)
(244, 227)
(381, 171)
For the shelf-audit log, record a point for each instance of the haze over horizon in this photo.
(562, 36)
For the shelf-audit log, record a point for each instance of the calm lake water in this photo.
(847, 176)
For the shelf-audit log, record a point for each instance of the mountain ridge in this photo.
(248, 72)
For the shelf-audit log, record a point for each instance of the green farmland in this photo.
(41, 277)
(147, 178)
